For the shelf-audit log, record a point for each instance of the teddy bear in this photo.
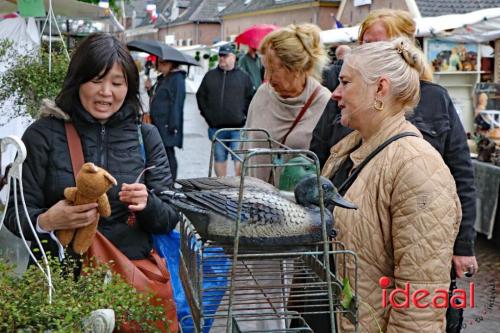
(92, 183)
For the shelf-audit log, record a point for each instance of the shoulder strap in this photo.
(350, 180)
(142, 147)
(302, 112)
(75, 147)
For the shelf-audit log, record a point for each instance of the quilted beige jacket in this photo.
(404, 229)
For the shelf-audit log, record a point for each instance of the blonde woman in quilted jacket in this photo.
(409, 211)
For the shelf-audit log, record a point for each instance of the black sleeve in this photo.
(161, 101)
(177, 97)
(328, 132)
(202, 95)
(158, 216)
(330, 75)
(37, 141)
(457, 158)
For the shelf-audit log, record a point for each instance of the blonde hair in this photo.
(399, 60)
(298, 47)
(397, 23)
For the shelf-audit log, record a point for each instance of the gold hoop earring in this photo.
(378, 105)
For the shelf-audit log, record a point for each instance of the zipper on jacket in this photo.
(222, 93)
(102, 147)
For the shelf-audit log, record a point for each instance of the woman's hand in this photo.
(465, 266)
(65, 216)
(134, 195)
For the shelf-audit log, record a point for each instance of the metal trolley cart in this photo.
(249, 285)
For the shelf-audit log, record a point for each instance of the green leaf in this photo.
(347, 294)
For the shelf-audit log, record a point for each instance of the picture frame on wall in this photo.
(447, 56)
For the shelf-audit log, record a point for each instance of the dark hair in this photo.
(94, 58)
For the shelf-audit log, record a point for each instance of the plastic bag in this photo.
(168, 245)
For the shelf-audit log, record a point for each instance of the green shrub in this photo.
(25, 305)
(28, 77)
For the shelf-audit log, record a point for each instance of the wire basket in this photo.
(263, 285)
(268, 286)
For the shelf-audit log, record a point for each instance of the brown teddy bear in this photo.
(92, 183)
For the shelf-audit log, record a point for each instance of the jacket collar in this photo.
(230, 71)
(50, 109)
(392, 126)
(354, 147)
(79, 114)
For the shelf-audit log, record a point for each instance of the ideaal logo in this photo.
(439, 297)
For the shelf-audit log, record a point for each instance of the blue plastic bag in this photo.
(168, 245)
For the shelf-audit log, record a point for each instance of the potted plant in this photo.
(25, 304)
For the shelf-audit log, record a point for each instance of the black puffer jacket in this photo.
(224, 96)
(114, 146)
(436, 117)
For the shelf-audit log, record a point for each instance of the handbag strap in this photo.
(354, 174)
(77, 160)
(302, 112)
(75, 148)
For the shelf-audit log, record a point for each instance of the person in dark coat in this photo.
(223, 99)
(100, 96)
(251, 64)
(435, 116)
(167, 108)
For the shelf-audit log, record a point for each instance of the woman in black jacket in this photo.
(167, 107)
(100, 97)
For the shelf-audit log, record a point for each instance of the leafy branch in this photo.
(27, 77)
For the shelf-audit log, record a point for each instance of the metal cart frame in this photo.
(316, 257)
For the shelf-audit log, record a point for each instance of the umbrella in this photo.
(254, 35)
(162, 51)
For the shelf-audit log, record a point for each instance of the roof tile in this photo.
(444, 7)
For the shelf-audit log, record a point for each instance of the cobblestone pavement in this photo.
(484, 318)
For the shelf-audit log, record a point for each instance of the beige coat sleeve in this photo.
(425, 215)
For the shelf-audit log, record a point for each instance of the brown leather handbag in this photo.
(145, 275)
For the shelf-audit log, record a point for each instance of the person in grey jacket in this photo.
(223, 99)
(100, 96)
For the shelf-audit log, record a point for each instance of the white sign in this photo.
(170, 39)
(358, 3)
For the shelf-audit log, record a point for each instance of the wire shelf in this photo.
(280, 286)
(248, 286)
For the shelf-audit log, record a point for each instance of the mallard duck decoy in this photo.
(267, 218)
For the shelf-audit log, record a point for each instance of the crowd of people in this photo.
(415, 198)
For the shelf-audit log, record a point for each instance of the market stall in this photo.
(487, 177)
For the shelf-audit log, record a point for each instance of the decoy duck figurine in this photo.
(268, 219)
